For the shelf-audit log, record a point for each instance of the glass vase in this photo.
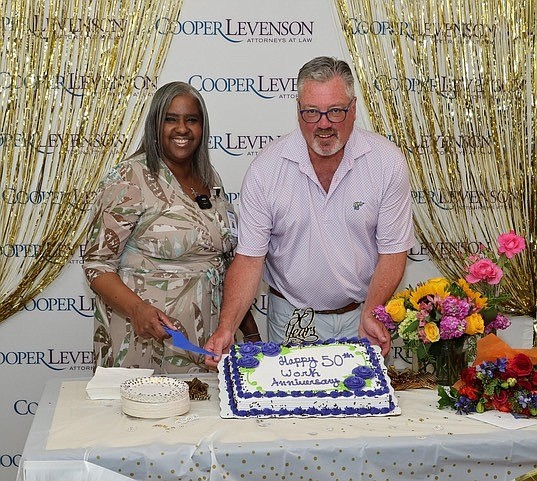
(450, 361)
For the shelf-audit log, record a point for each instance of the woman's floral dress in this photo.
(168, 251)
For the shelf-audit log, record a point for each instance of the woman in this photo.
(160, 240)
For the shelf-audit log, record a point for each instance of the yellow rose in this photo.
(474, 324)
(432, 333)
(396, 309)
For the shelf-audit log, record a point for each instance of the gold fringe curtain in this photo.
(454, 84)
(75, 76)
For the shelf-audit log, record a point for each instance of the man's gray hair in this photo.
(323, 69)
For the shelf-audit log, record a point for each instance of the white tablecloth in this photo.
(87, 439)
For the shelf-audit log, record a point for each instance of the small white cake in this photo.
(345, 377)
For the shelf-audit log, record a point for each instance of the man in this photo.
(325, 213)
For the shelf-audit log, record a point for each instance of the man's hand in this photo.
(376, 332)
(219, 343)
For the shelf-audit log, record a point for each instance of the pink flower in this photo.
(511, 244)
(484, 270)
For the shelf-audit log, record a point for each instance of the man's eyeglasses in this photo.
(335, 115)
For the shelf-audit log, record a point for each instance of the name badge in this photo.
(232, 219)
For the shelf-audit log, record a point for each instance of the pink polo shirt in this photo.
(322, 248)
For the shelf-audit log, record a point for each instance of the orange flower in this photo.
(470, 392)
(476, 297)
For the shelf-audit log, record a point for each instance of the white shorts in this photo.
(289, 325)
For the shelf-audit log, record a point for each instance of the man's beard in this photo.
(334, 146)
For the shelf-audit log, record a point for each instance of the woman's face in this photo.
(182, 130)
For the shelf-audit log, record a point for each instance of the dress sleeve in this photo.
(116, 212)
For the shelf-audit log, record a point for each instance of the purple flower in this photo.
(452, 327)
(487, 369)
(453, 306)
(464, 405)
(501, 364)
(500, 322)
(523, 399)
(380, 313)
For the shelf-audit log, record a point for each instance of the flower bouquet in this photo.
(508, 385)
(438, 317)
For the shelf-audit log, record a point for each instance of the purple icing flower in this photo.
(364, 372)
(354, 383)
(248, 361)
(249, 349)
(271, 349)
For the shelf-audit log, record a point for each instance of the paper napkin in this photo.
(503, 420)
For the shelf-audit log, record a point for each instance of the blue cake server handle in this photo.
(180, 341)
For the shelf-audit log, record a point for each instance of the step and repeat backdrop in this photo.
(243, 56)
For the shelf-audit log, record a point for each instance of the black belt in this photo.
(342, 310)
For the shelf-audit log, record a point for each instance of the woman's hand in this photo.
(149, 322)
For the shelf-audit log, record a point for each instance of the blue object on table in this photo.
(180, 341)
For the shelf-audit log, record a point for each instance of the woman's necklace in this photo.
(201, 199)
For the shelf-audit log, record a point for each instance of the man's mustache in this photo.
(325, 132)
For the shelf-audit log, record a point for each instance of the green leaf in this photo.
(410, 327)
(448, 398)
(422, 351)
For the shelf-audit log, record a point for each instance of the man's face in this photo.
(324, 137)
